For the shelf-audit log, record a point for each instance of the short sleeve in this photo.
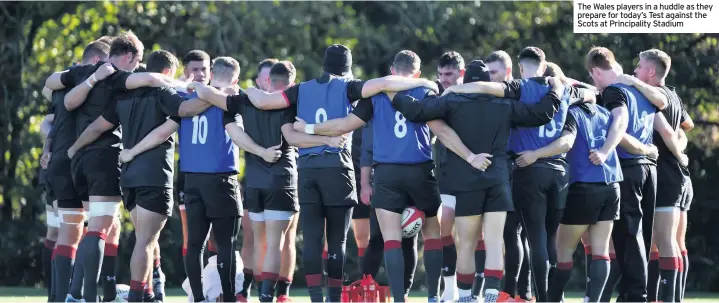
(612, 98)
(570, 125)
(236, 103)
(685, 115)
(170, 101)
(110, 114)
(512, 89)
(367, 145)
(289, 114)
(291, 94)
(364, 109)
(354, 89)
(228, 118)
(118, 80)
(77, 74)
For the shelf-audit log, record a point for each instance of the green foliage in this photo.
(41, 38)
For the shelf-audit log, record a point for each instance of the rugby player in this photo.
(271, 188)
(516, 256)
(147, 181)
(95, 173)
(483, 123)
(688, 195)
(651, 71)
(51, 220)
(394, 163)
(71, 214)
(450, 71)
(326, 176)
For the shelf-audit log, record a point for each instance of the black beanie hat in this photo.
(476, 71)
(338, 60)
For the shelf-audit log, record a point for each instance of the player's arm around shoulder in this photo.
(395, 84)
(303, 140)
(449, 138)
(496, 89)
(156, 137)
(654, 94)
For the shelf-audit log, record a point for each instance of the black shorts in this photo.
(155, 199)
(258, 200)
(687, 194)
(589, 203)
(669, 194)
(328, 186)
(492, 199)
(96, 172)
(60, 181)
(535, 186)
(215, 195)
(397, 186)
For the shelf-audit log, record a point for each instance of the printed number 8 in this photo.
(400, 128)
(320, 115)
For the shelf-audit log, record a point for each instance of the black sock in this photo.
(410, 253)
(108, 272)
(598, 277)
(433, 265)
(247, 283)
(587, 268)
(464, 283)
(668, 272)
(492, 279)
(64, 261)
(78, 273)
(55, 280)
(560, 277)
(678, 287)
(685, 261)
(449, 257)
(137, 291)
(269, 282)
(653, 277)
(394, 266)
(47, 266)
(614, 274)
(92, 263)
(479, 258)
(283, 287)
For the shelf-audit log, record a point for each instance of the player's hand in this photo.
(299, 125)
(272, 154)
(527, 158)
(71, 152)
(597, 157)
(432, 85)
(196, 86)
(231, 90)
(104, 71)
(684, 160)
(45, 159)
(556, 85)
(626, 79)
(337, 141)
(126, 155)
(480, 161)
(652, 151)
(366, 194)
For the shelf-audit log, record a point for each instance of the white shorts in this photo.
(272, 215)
(449, 201)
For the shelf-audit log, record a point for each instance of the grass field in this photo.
(27, 294)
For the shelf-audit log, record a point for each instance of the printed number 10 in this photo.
(199, 129)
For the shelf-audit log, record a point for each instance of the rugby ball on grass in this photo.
(412, 221)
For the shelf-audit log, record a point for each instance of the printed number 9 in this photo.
(549, 133)
(199, 129)
(400, 128)
(320, 115)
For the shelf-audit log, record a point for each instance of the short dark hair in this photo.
(126, 43)
(533, 53)
(499, 56)
(600, 57)
(269, 62)
(225, 68)
(453, 59)
(195, 55)
(107, 39)
(160, 60)
(406, 61)
(96, 48)
(283, 71)
(141, 68)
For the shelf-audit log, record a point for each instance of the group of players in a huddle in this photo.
(541, 163)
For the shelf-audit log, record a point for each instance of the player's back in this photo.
(205, 146)
(64, 124)
(322, 101)
(593, 123)
(641, 118)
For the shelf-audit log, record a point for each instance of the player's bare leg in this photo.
(148, 225)
(468, 233)
(102, 217)
(360, 227)
(289, 261)
(109, 262)
(665, 231)
(684, 257)
(494, 261)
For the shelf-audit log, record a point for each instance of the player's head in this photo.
(602, 66)
(653, 66)
(225, 72)
(450, 69)
(263, 73)
(476, 71)
(197, 65)
(500, 66)
(107, 39)
(126, 51)
(282, 75)
(95, 52)
(162, 61)
(338, 60)
(406, 63)
(532, 62)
